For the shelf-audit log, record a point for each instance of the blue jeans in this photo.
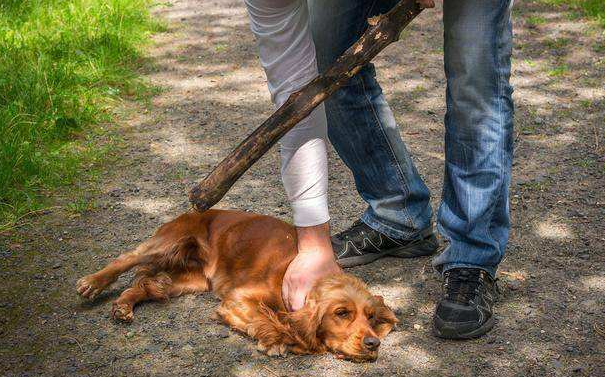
(474, 212)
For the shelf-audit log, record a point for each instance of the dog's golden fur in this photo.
(242, 258)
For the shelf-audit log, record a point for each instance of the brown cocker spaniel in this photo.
(242, 258)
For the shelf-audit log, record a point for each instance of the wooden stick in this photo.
(383, 30)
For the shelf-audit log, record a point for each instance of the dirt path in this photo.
(551, 319)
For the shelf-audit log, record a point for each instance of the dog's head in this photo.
(342, 316)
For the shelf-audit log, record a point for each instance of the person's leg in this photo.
(287, 54)
(362, 127)
(473, 215)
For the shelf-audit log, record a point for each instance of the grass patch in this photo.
(592, 8)
(63, 66)
(220, 47)
(556, 43)
(558, 71)
(586, 163)
(599, 46)
(536, 20)
(81, 205)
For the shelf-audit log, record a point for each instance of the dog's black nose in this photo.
(371, 342)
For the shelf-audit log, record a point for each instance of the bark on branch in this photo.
(383, 30)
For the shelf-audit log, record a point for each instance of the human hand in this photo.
(315, 259)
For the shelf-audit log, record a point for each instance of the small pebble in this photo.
(514, 285)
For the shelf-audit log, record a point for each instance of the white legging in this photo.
(287, 54)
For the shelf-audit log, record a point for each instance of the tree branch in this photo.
(383, 30)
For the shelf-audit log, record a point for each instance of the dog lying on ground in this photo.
(242, 258)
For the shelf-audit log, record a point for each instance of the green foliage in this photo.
(557, 43)
(81, 205)
(593, 8)
(536, 20)
(63, 64)
(559, 70)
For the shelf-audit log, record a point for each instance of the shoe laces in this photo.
(463, 284)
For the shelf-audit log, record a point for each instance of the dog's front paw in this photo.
(90, 286)
(122, 312)
(273, 350)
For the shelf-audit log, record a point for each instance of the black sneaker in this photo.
(361, 244)
(465, 311)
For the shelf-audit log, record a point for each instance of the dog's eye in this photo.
(371, 316)
(342, 313)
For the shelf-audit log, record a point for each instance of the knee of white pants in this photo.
(285, 44)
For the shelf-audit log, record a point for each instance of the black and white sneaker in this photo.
(465, 311)
(361, 244)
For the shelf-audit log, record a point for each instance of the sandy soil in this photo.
(551, 317)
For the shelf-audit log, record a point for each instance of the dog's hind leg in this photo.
(147, 286)
(91, 285)
(191, 281)
(160, 286)
(165, 253)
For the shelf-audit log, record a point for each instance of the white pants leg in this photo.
(287, 54)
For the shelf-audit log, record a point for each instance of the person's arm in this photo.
(287, 54)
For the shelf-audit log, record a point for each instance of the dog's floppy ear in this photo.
(385, 318)
(306, 322)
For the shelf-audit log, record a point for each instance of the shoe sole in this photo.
(421, 249)
(449, 332)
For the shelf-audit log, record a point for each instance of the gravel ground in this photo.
(551, 317)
